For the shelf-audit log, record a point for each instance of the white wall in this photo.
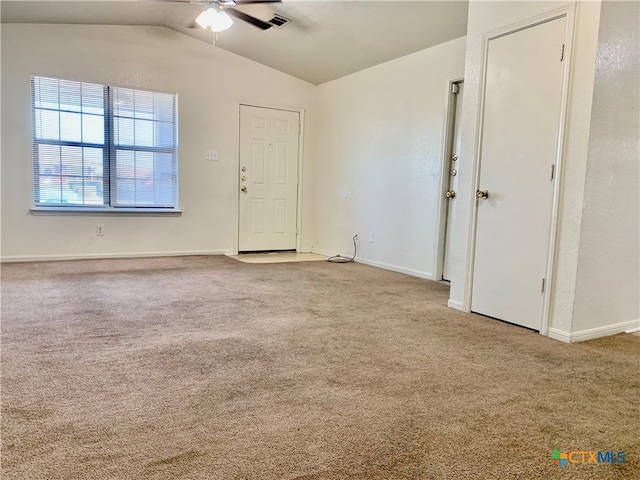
(607, 284)
(210, 83)
(379, 157)
(485, 17)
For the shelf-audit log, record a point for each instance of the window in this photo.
(102, 146)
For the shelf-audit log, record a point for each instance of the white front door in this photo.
(520, 133)
(268, 179)
(455, 142)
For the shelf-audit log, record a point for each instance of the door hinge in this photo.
(553, 170)
(455, 88)
(562, 53)
(543, 285)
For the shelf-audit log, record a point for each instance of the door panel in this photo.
(257, 216)
(522, 105)
(282, 159)
(258, 154)
(268, 179)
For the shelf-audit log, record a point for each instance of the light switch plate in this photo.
(211, 155)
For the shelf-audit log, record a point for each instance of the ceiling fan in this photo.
(216, 16)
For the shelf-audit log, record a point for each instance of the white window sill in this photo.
(89, 211)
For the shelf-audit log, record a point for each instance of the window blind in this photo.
(69, 142)
(144, 148)
(101, 146)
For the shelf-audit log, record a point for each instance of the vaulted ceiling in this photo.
(325, 40)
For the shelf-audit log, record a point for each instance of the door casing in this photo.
(569, 12)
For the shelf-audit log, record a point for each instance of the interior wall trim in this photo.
(384, 266)
(93, 256)
(457, 305)
(592, 333)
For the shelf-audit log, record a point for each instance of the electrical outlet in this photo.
(370, 237)
(100, 230)
(211, 155)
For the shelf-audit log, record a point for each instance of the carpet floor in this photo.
(209, 368)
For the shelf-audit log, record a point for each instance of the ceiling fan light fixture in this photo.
(221, 22)
(206, 18)
(215, 19)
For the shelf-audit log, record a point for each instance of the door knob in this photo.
(482, 193)
(244, 179)
(244, 189)
(244, 169)
(450, 194)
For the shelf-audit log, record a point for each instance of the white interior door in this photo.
(520, 132)
(453, 176)
(268, 179)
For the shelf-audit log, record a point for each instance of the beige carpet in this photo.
(209, 368)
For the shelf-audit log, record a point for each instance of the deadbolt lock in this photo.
(244, 169)
(454, 172)
(482, 194)
(454, 157)
(244, 179)
(244, 189)
(450, 194)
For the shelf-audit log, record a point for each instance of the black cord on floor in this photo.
(341, 259)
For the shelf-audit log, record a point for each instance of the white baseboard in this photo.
(559, 335)
(455, 304)
(590, 334)
(634, 329)
(318, 251)
(385, 266)
(93, 256)
(394, 268)
(603, 331)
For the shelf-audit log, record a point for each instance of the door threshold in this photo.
(278, 257)
(266, 252)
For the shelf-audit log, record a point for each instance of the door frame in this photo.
(441, 208)
(569, 12)
(236, 183)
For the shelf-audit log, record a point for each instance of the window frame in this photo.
(109, 148)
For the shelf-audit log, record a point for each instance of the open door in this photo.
(453, 160)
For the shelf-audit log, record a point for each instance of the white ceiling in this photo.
(324, 41)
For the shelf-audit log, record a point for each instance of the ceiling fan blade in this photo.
(256, 22)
